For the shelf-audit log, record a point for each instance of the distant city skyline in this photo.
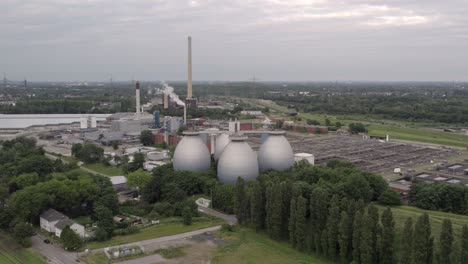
(295, 40)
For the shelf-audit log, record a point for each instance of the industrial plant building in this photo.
(233, 153)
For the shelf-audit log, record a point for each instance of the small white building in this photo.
(305, 156)
(53, 221)
(119, 183)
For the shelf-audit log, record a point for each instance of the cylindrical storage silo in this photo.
(191, 154)
(275, 153)
(237, 160)
(220, 143)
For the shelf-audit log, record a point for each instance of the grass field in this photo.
(96, 258)
(107, 170)
(396, 129)
(246, 246)
(160, 230)
(420, 135)
(401, 213)
(12, 253)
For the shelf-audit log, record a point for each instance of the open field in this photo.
(396, 129)
(420, 135)
(401, 213)
(160, 230)
(12, 253)
(246, 246)
(107, 170)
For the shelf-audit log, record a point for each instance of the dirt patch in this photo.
(199, 253)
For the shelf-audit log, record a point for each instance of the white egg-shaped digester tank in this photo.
(275, 153)
(221, 142)
(237, 160)
(191, 154)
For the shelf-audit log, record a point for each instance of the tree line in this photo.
(329, 211)
(31, 183)
(445, 197)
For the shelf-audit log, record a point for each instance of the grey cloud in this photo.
(273, 39)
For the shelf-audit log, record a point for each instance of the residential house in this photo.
(53, 221)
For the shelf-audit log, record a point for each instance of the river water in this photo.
(24, 121)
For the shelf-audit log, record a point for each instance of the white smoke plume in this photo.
(169, 90)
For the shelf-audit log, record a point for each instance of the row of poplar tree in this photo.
(320, 219)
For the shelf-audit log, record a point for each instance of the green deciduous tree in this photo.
(446, 242)
(24, 180)
(257, 206)
(390, 197)
(241, 201)
(89, 153)
(104, 222)
(366, 242)
(406, 248)
(423, 242)
(319, 200)
(187, 216)
(139, 179)
(464, 244)
(70, 240)
(300, 229)
(357, 230)
(21, 232)
(146, 138)
(292, 222)
(388, 238)
(333, 227)
(344, 235)
(373, 214)
(137, 163)
(274, 210)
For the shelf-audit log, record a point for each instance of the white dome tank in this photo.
(221, 142)
(237, 160)
(191, 154)
(275, 153)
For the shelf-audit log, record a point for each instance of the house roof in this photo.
(118, 180)
(52, 215)
(63, 223)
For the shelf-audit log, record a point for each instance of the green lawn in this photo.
(420, 135)
(246, 246)
(107, 170)
(160, 230)
(84, 220)
(12, 253)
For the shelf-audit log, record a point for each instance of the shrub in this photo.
(227, 228)
(390, 197)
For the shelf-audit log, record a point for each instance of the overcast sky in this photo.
(235, 39)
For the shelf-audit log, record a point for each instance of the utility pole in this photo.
(253, 90)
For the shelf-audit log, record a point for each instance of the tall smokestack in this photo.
(137, 96)
(166, 100)
(189, 80)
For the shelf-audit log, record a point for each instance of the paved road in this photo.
(52, 157)
(166, 238)
(231, 219)
(55, 254)
(156, 258)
